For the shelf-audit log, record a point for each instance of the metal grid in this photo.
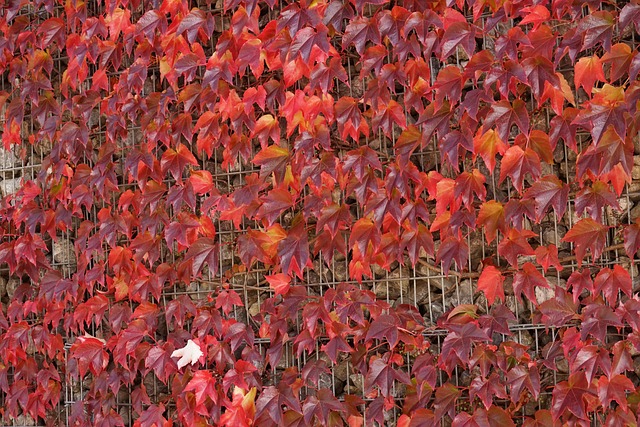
(432, 292)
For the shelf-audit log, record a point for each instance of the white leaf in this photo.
(189, 354)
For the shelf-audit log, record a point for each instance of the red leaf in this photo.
(540, 70)
(491, 218)
(174, 161)
(587, 234)
(415, 240)
(614, 389)
(490, 282)
(632, 238)
(279, 282)
(294, 250)
(526, 280)
(52, 30)
(458, 34)
(450, 249)
(548, 191)
(520, 378)
(588, 70)
(272, 159)
(364, 231)
(569, 396)
(605, 110)
(611, 282)
(547, 256)
(446, 396)
(518, 162)
(350, 120)
(381, 374)
(594, 198)
(203, 385)
(487, 145)
(91, 355)
(515, 244)
(535, 15)
(359, 31)
(457, 345)
(597, 28)
(543, 419)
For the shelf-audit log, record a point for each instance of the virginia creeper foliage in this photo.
(198, 153)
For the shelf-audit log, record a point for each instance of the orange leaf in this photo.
(487, 146)
(587, 71)
(491, 218)
(281, 283)
(490, 282)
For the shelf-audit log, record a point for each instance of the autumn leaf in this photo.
(294, 250)
(515, 244)
(547, 192)
(491, 218)
(588, 70)
(175, 160)
(91, 355)
(272, 159)
(518, 162)
(569, 396)
(490, 282)
(614, 389)
(279, 282)
(487, 145)
(526, 281)
(587, 234)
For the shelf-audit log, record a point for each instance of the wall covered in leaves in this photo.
(327, 212)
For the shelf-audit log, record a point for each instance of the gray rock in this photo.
(464, 293)
(563, 365)
(356, 381)
(394, 286)
(544, 294)
(340, 272)
(63, 251)
(8, 161)
(10, 186)
(12, 285)
(432, 311)
(341, 370)
(23, 420)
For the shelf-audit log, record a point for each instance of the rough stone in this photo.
(464, 293)
(8, 160)
(199, 290)
(254, 309)
(12, 285)
(63, 251)
(340, 272)
(10, 186)
(544, 294)
(23, 420)
(423, 274)
(356, 381)
(635, 212)
(563, 365)
(522, 337)
(393, 286)
(419, 293)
